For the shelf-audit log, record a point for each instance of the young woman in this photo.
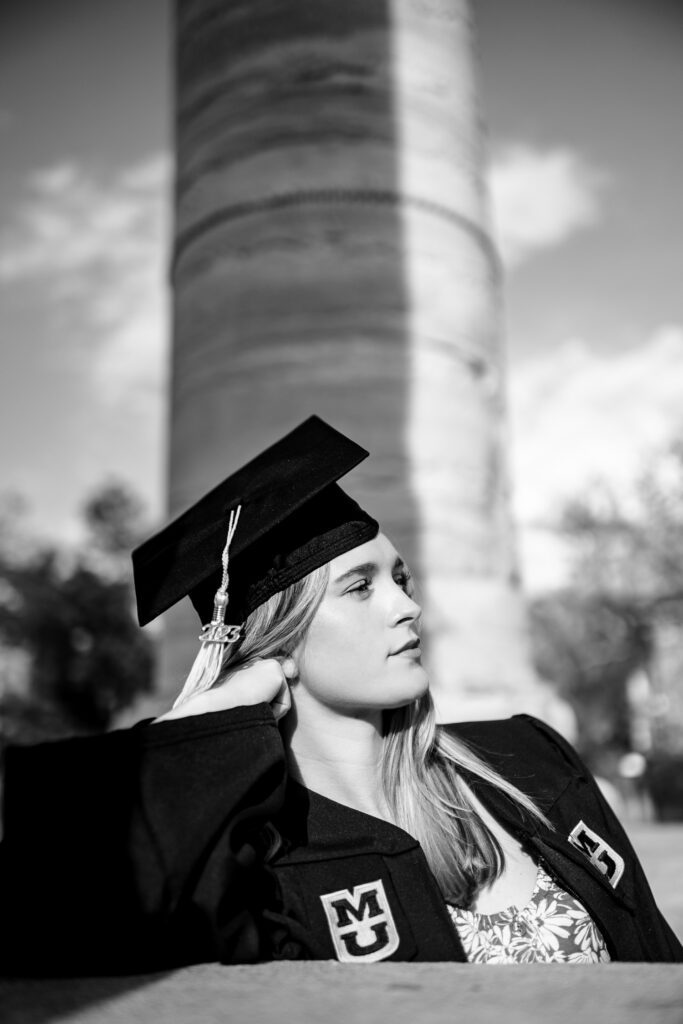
(299, 801)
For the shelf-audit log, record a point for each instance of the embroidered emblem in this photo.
(600, 854)
(361, 923)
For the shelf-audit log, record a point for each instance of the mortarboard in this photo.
(293, 518)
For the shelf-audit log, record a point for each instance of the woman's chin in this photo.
(411, 688)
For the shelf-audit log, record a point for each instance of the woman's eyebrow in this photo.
(366, 569)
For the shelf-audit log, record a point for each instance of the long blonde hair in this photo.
(421, 764)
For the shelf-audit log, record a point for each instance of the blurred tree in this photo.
(113, 516)
(624, 607)
(634, 549)
(589, 645)
(75, 655)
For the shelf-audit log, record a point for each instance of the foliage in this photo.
(665, 784)
(588, 645)
(72, 615)
(634, 550)
(627, 587)
(113, 517)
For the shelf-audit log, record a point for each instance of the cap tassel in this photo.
(215, 635)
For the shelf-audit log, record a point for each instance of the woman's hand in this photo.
(255, 682)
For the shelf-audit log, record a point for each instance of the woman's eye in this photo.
(404, 580)
(362, 587)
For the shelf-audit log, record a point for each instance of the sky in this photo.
(584, 107)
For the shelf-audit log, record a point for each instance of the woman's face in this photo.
(362, 650)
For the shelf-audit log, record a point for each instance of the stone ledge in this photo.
(399, 993)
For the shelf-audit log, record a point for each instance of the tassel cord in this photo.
(215, 635)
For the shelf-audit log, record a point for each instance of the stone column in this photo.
(333, 256)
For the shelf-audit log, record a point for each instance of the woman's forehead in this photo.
(379, 550)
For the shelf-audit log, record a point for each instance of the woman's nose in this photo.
(407, 610)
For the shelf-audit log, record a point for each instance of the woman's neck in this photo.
(337, 755)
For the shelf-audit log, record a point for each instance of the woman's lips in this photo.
(413, 649)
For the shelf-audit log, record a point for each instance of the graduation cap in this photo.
(266, 526)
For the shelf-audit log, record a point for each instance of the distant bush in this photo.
(664, 779)
(72, 656)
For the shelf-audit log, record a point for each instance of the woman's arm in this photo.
(135, 850)
(259, 681)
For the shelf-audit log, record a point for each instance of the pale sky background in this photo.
(584, 102)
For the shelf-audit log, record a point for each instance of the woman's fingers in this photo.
(266, 679)
(283, 698)
(282, 702)
(256, 680)
(289, 668)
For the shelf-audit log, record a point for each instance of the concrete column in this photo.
(456, 429)
(333, 256)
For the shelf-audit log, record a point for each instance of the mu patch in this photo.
(601, 855)
(361, 923)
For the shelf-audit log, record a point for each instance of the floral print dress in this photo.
(553, 927)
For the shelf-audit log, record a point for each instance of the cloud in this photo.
(96, 247)
(541, 198)
(577, 418)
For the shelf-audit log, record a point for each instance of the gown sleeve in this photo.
(657, 934)
(137, 850)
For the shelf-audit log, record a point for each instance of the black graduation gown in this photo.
(146, 848)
